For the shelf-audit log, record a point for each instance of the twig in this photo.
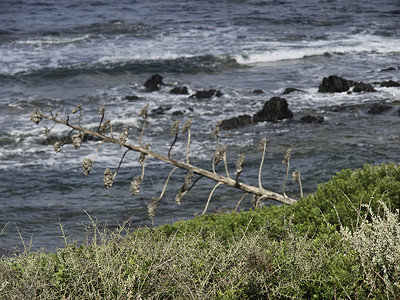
(209, 197)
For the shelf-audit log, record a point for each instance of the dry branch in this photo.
(259, 192)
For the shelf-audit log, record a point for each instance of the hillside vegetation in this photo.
(343, 241)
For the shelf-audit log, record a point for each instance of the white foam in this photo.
(293, 51)
(54, 40)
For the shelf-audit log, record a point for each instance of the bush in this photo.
(341, 242)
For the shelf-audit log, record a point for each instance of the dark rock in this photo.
(131, 97)
(389, 69)
(178, 113)
(153, 83)
(274, 109)
(236, 122)
(379, 108)
(160, 110)
(311, 119)
(258, 92)
(363, 87)
(390, 83)
(179, 91)
(288, 91)
(334, 84)
(207, 94)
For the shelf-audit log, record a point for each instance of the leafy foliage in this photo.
(341, 242)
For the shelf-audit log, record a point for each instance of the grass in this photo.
(343, 242)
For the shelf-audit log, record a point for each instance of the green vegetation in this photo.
(341, 242)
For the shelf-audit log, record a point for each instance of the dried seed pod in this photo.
(102, 109)
(187, 125)
(296, 175)
(287, 156)
(144, 111)
(151, 209)
(185, 187)
(87, 165)
(239, 164)
(108, 179)
(216, 131)
(143, 156)
(77, 139)
(103, 127)
(175, 128)
(57, 146)
(219, 155)
(36, 117)
(135, 185)
(262, 144)
(77, 108)
(123, 136)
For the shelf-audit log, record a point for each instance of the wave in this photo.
(132, 65)
(302, 50)
(54, 40)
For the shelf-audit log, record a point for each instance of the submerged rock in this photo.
(363, 87)
(379, 108)
(131, 97)
(236, 122)
(153, 83)
(258, 91)
(312, 119)
(179, 91)
(334, 84)
(290, 90)
(274, 109)
(390, 83)
(206, 94)
(160, 110)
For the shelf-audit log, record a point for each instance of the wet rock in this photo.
(206, 94)
(290, 90)
(363, 87)
(379, 108)
(236, 122)
(160, 110)
(153, 83)
(389, 69)
(179, 90)
(258, 92)
(274, 109)
(334, 84)
(390, 83)
(131, 97)
(312, 119)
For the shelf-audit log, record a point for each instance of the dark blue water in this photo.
(61, 53)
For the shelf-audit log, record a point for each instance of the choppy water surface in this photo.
(59, 54)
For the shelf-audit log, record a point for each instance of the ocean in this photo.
(58, 54)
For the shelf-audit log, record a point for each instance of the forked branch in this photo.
(145, 151)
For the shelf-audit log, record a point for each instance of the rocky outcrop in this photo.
(236, 122)
(179, 90)
(258, 91)
(206, 94)
(363, 87)
(312, 119)
(153, 83)
(160, 110)
(378, 108)
(274, 109)
(334, 84)
(390, 83)
(290, 90)
(131, 97)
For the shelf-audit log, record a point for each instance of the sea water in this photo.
(58, 54)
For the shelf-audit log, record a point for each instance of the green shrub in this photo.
(339, 200)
